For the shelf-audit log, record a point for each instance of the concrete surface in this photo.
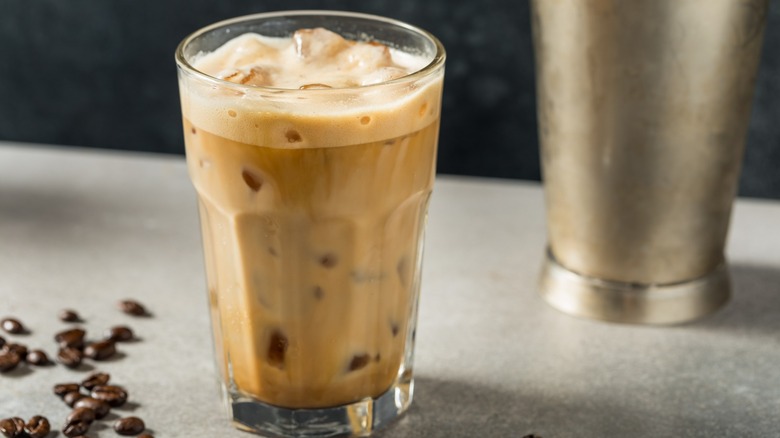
(82, 229)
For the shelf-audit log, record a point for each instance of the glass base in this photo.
(356, 419)
(632, 303)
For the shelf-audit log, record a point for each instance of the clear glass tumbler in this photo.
(313, 204)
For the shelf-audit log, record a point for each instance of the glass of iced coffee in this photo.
(311, 141)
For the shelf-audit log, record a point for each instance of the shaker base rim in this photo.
(631, 303)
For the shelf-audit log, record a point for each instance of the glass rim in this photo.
(433, 66)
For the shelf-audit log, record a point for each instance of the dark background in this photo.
(100, 73)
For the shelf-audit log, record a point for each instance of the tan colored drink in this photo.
(313, 159)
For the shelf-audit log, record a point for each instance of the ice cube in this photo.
(371, 55)
(318, 43)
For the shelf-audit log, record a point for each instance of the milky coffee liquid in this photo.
(312, 213)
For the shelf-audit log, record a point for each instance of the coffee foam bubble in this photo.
(313, 59)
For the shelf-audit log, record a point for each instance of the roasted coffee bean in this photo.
(129, 426)
(64, 388)
(8, 361)
(100, 407)
(72, 398)
(95, 379)
(37, 427)
(38, 358)
(100, 350)
(70, 357)
(19, 349)
(145, 435)
(73, 338)
(12, 427)
(68, 315)
(12, 325)
(86, 415)
(114, 395)
(132, 307)
(71, 430)
(120, 333)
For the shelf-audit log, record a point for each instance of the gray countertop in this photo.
(82, 229)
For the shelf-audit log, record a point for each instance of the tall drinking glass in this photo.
(313, 205)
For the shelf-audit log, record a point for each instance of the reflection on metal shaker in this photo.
(643, 110)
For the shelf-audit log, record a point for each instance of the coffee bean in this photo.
(86, 415)
(95, 379)
(72, 430)
(12, 325)
(129, 426)
(12, 427)
(120, 333)
(19, 349)
(64, 388)
(38, 427)
(38, 358)
(132, 307)
(145, 435)
(100, 407)
(114, 395)
(2, 342)
(100, 350)
(70, 357)
(72, 398)
(8, 361)
(73, 338)
(68, 315)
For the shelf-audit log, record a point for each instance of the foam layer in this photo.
(329, 102)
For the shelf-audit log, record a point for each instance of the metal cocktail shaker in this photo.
(643, 109)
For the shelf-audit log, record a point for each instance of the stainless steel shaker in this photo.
(643, 109)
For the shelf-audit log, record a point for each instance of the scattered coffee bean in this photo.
(64, 388)
(72, 398)
(394, 329)
(12, 427)
(114, 395)
(100, 407)
(8, 361)
(120, 333)
(73, 338)
(359, 361)
(532, 436)
(37, 358)
(38, 427)
(100, 350)
(19, 349)
(12, 325)
(129, 426)
(70, 357)
(68, 315)
(95, 379)
(86, 415)
(72, 430)
(145, 435)
(132, 307)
